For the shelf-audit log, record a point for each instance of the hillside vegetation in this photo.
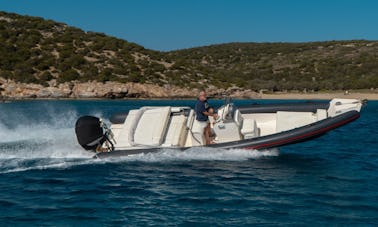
(34, 50)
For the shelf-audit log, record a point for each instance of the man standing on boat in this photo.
(202, 115)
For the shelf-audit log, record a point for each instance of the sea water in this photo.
(46, 178)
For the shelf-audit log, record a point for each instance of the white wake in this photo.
(201, 154)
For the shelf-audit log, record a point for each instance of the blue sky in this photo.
(176, 24)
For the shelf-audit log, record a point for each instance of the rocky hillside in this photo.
(287, 66)
(50, 55)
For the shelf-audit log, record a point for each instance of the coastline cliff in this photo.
(109, 90)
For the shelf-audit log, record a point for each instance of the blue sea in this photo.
(46, 179)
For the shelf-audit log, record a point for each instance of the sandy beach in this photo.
(321, 96)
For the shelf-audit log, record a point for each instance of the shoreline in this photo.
(272, 96)
(110, 90)
(321, 96)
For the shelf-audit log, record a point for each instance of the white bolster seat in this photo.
(198, 129)
(238, 118)
(190, 120)
(152, 126)
(249, 129)
(176, 131)
(321, 114)
(126, 130)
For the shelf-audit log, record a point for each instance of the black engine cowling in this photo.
(89, 132)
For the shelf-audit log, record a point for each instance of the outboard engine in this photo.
(92, 133)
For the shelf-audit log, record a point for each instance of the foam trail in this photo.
(40, 145)
(201, 154)
(18, 166)
(29, 130)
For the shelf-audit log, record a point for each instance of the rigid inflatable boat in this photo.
(259, 126)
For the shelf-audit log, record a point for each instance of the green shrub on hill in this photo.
(69, 75)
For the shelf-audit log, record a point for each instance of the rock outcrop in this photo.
(10, 89)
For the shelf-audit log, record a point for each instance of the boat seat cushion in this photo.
(152, 126)
(238, 118)
(190, 120)
(321, 114)
(197, 132)
(122, 137)
(289, 120)
(249, 128)
(176, 131)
